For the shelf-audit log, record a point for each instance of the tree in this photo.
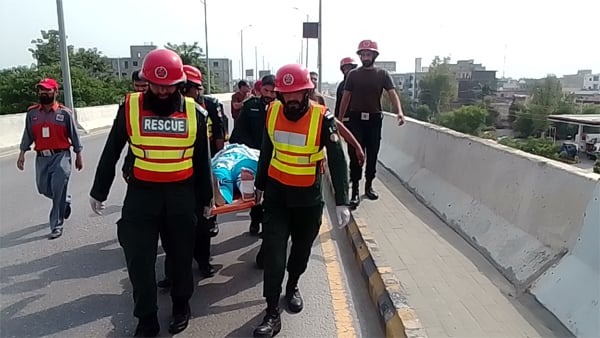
(438, 87)
(532, 121)
(548, 93)
(467, 119)
(193, 55)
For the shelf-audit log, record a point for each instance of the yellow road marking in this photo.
(339, 297)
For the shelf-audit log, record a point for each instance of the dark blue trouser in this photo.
(52, 178)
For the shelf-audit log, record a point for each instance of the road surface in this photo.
(77, 285)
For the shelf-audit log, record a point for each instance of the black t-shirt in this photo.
(367, 85)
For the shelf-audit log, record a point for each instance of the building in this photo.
(575, 82)
(123, 67)
(472, 78)
(221, 72)
(591, 82)
(404, 82)
(390, 66)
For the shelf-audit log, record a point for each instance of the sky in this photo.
(518, 38)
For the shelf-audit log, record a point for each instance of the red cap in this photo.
(48, 83)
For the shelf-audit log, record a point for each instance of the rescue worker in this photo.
(139, 85)
(170, 180)
(290, 169)
(315, 95)
(346, 65)
(193, 89)
(51, 127)
(249, 131)
(256, 89)
(362, 102)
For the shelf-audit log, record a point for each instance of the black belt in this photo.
(50, 152)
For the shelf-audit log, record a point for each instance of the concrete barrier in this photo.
(536, 220)
(88, 118)
(522, 211)
(11, 130)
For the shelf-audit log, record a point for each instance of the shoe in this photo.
(68, 210)
(165, 283)
(254, 228)
(294, 300)
(370, 192)
(55, 234)
(147, 327)
(181, 318)
(207, 270)
(355, 199)
(270, 326)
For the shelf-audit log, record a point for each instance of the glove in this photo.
(259, 196)
(97, 206)
(343, 215)
(207, 213)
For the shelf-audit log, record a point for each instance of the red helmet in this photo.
(257, 85)
(347, 61)
(163, 67)
(193, 74)
(292, 78)
(367, 45)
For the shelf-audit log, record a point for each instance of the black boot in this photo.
(355, 199)
(181, 317)
(207, 270)
(254, 228)
(370, 192)
(147, 327)
(294, 300)
(271, 324)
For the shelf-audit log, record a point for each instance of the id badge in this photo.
(45, 132)
(364, 116)
(46, 153)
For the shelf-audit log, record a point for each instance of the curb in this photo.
(398, 318)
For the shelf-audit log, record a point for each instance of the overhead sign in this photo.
(310, 30)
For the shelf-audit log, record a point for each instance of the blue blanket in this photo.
(227, 167)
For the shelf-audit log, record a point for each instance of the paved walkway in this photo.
(455, 291)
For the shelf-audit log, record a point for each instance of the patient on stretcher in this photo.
(234, 168)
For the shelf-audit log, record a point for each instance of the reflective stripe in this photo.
(290, 138)
(280, 138)
(160, 141)
(209, 127)
(163, 167)
(299, 159)
(294, 170)
(164, 154)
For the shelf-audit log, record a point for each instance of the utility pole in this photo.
(243, 75)
(319, 60)
(64, 57)
(206, 88)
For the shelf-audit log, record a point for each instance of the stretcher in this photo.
(237, 205)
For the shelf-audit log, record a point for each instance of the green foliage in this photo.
(423, 113)
(468, 119)
(91, 80)
(597, 166)
(438, 87)
(536, 146)
(193, 55)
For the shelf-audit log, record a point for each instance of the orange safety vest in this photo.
(163, 146)
(296, 145)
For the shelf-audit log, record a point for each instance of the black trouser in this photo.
(145, 209)
(368, 134)
(256, 214)
(201, 245)
(302, 224)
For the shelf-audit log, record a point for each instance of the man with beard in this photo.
(249, 131)
(290, 169)
(362, 102)
(170, 179)
(139, 85)
(193, 89)
(51, 127)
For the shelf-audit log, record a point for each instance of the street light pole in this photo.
(306, 58)
(242, 76)
(206, 88)
(64, 57)
(319, 63)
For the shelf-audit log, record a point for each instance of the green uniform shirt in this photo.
(250, 125)
(278, 194)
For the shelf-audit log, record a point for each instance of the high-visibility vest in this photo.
(295, 145)
(163, 146)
